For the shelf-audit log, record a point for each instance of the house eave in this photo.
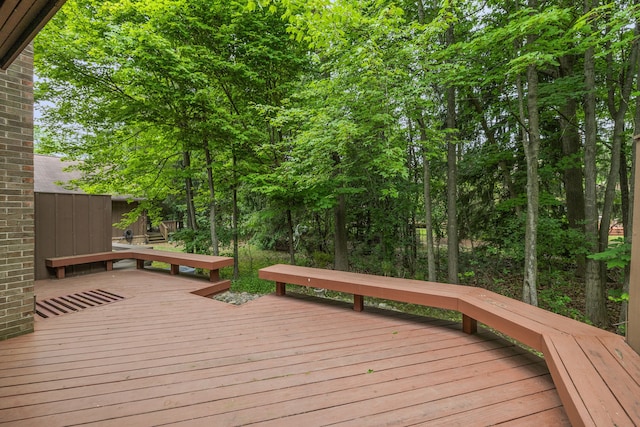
(20, 21)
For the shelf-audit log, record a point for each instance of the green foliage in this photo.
(252, 285)
(194, 241)
(291, 105)
(555, 300)
(617, 255)
(252, 259)
(617, 295)
(556, 241)
(321, 259)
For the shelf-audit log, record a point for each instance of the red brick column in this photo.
(16, 197)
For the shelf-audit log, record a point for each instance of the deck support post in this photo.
(358, 302)
(469, 325)
(214, 276)
(281, 289)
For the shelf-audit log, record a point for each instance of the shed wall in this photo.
(70, 224)
(119, 208)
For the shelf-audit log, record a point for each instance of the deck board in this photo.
(165, 356)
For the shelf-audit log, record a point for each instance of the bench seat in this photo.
(596, 373)
(596, 378)
(174, 259)
(59, 263)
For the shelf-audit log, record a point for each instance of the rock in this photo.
(236, 298)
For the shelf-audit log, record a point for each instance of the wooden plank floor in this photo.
(163, 356)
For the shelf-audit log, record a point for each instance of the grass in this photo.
(558, 295)
(252, 259)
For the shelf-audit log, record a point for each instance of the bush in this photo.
(198, 242)
(557, 243)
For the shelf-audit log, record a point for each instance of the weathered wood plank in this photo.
(596, 373)
(166, 356)
(586, 397)
(174, 259)
(617, 379)
(624, 355)
(403, 290)
(551, 417)
(492, 301)
(507, 411)
(370, 405)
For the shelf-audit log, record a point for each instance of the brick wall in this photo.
(16, 197)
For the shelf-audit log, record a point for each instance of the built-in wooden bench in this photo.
(59, 263)
(174, 259)
(597, 375)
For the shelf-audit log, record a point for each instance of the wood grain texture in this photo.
(163, 355)
(596, 372)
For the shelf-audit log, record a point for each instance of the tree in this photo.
(452, 179)
(532, 149)
(593, 283)
(189, 71)
(331, 126)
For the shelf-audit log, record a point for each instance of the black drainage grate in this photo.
(73, 303)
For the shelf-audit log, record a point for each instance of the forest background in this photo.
(487, 143)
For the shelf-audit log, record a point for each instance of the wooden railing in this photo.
(168, 227)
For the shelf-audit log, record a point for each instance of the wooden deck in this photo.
(162, 355)
(596, 373)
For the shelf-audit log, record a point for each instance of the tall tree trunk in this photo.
(340, 240)
(503, 166)
(525, 136)
(234, 219)
(627, 215)
(341, 254)
(452, 178)
(595, 309)
(191, 209)
(432, 274)
(618, 112)
(409, 239)
(212, 202)
(420, 11)
(426, 164)
(411, 245)
(631, 71)
(431, 257)
(292, 248)
(532, 149)
(573, 175)
(625, 196)
(614, 173)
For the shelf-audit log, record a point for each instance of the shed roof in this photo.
(50, 175)
(20, 21)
